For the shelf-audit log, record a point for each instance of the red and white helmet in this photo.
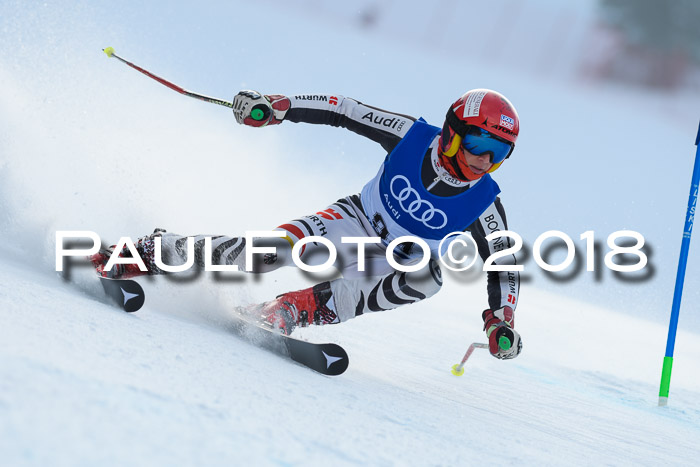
(479, 115)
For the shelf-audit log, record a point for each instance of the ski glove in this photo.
(504, 341)
(253, 109)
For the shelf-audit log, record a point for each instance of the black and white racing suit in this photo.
(379, 287)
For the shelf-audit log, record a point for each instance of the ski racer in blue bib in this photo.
(433, 181)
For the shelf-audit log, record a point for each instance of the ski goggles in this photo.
(479, 142)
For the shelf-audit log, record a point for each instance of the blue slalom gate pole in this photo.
(680, 277)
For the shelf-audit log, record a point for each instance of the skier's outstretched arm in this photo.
(502, 287)
(381, 126)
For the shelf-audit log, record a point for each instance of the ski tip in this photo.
(109, 51)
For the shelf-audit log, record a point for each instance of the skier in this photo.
(433, 182)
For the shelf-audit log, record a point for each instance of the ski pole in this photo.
(680, 278)
(258, 112)
(110, 53)
(458, 369)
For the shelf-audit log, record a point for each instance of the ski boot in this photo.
(146, 249)
(314, 305)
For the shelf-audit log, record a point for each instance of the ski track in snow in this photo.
(82, 382)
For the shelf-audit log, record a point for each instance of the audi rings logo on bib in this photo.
(411, 203)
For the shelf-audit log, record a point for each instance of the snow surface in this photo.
(89, 144)
(83, 383)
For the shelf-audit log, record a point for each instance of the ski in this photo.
(126, 293)
(327, 359)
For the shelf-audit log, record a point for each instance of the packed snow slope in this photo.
(83, 383)
(87, 143)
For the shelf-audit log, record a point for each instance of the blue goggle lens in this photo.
(479, 142)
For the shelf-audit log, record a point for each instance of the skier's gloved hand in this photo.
(504, 341)
(253, 109)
